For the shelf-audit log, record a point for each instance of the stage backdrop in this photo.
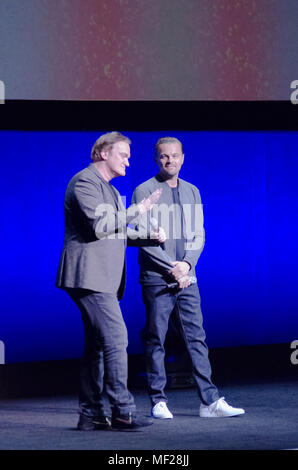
(247, 273)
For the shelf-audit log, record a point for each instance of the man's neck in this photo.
(171, 181)
(173, 184)
(102, 169)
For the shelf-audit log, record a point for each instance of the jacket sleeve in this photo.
(156, 254)
(134, 239)
(101, 218)
(196, 238)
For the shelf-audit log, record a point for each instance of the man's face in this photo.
(117, 158)
(170, 159)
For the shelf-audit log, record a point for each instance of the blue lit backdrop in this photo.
(247, 272)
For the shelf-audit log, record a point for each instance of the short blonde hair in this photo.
(105, 142)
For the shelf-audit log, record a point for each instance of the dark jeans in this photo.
(159, 303)
(104, 362)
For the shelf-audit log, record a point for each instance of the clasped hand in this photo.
(180, 273)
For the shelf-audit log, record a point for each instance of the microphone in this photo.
(193, 280)
(154, 226)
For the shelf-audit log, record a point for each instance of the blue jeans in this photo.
(104, 362)
(159, 303)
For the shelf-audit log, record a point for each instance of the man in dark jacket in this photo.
(92, 271)
(168, 278)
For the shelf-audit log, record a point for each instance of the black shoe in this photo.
(102, 422)
(91, 423)
(129, 422)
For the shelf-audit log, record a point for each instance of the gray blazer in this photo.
(155, 261)
(93, 253)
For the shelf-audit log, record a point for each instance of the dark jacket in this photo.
(93, 253)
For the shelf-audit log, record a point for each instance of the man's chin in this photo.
(120, 173)
(170, 173)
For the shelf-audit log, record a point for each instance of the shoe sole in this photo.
(227, 416)
(162, 417)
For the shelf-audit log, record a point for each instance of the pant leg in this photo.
(159, 302)
(91, 385)
(191, 319)
(105, 353)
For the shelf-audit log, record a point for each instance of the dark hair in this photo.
(105, 142)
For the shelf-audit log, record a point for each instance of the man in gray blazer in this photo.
(92, 271)
(168, 278)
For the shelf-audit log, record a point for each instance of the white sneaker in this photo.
(161, 411)
(219, 409)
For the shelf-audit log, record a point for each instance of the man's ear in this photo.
(103, 155)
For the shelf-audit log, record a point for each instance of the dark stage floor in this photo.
(270, 422)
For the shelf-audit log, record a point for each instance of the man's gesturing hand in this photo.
(159, 234)
(147, 204)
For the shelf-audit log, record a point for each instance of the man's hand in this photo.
(159, 235)
(180, 270)
(147, 204)
(184, 282)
